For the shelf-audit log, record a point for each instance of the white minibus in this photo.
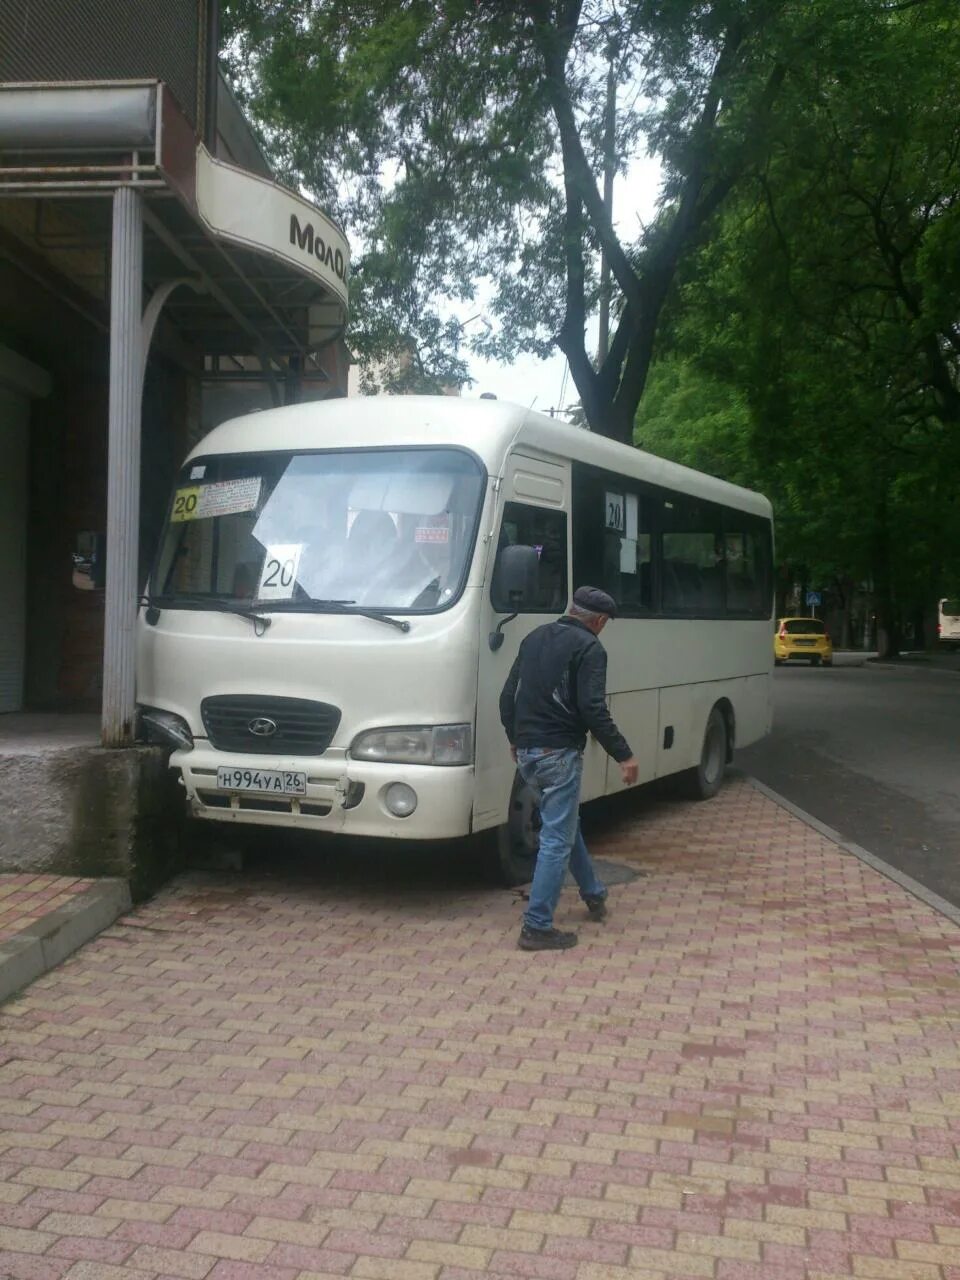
(341, 589)
(948, 622)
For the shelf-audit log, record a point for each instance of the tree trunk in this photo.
(888, 630)
(930, 621)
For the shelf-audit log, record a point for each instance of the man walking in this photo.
(556, 694)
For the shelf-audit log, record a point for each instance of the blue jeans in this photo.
(554, 776)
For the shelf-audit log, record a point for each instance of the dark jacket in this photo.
(556, 692)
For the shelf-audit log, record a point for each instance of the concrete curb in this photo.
(907, 665)
(44, 944)
(918, 890)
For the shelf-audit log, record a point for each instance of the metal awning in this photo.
(269, 268)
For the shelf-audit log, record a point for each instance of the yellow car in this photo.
(802, 638)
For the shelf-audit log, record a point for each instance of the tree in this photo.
(801, 272)
(829, 300)
(461, 142)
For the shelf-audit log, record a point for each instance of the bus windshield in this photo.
(378, 528)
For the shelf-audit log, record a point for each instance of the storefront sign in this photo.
(264, 216)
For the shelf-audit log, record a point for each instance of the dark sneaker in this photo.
(545, 939)
(597, 907)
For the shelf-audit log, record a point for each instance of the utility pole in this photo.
(609, 166)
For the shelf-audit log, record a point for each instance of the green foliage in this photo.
(827, 301)
(695, 418)
(799, 286)
(462, 142)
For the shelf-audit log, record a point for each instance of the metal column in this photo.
(123, 470)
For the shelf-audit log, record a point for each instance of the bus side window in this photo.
(547, 531)
(747, 555)
(612, 539)
(693, 556)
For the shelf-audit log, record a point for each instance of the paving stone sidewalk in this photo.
(45, 918)
(752, 1072)
(25, 898)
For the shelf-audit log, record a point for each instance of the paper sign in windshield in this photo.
(427, 533)
(203, 502)
(279, 574)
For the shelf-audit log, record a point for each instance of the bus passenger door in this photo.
(533, 508)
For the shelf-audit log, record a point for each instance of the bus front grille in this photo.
(264, 804)
(269, 726)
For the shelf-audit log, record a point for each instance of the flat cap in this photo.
(595, 601)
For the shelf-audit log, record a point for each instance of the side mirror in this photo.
(516, 579)
(518, 575)
(90, 561)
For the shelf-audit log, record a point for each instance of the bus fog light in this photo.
(400, 799)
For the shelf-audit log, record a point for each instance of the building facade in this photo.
(154, 280)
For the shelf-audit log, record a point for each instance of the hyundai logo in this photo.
(262, 727)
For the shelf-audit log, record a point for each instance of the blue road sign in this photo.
(814, 597)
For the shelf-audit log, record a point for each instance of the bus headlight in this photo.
(427, 744)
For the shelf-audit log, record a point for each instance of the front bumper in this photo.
(342, 795)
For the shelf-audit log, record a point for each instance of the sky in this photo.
(540, 383)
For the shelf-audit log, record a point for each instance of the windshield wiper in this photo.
(259, 620)
(335, 606)
(257, 612)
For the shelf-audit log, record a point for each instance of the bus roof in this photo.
(487, 427)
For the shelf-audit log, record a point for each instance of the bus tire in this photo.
(705, 779)
(518, 840)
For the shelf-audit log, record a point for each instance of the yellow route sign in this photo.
(185, 503)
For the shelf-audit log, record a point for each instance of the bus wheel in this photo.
(705, 779)
(518, 840)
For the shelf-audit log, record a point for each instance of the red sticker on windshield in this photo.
(426, 533)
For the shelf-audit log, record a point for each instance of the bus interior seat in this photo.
(372, 529)
(672, 587)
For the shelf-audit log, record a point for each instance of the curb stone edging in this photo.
(912, 886)
(907, 665)
(47, 942)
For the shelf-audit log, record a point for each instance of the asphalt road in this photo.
(875, 753)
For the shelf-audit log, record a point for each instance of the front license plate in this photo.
(274, 781)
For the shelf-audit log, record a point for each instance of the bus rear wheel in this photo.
(704, 780)
(518, 840)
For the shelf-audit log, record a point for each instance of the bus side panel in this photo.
(683, 718)
(685, 709)
(636, 716)
(754, 709)
(594, 780)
